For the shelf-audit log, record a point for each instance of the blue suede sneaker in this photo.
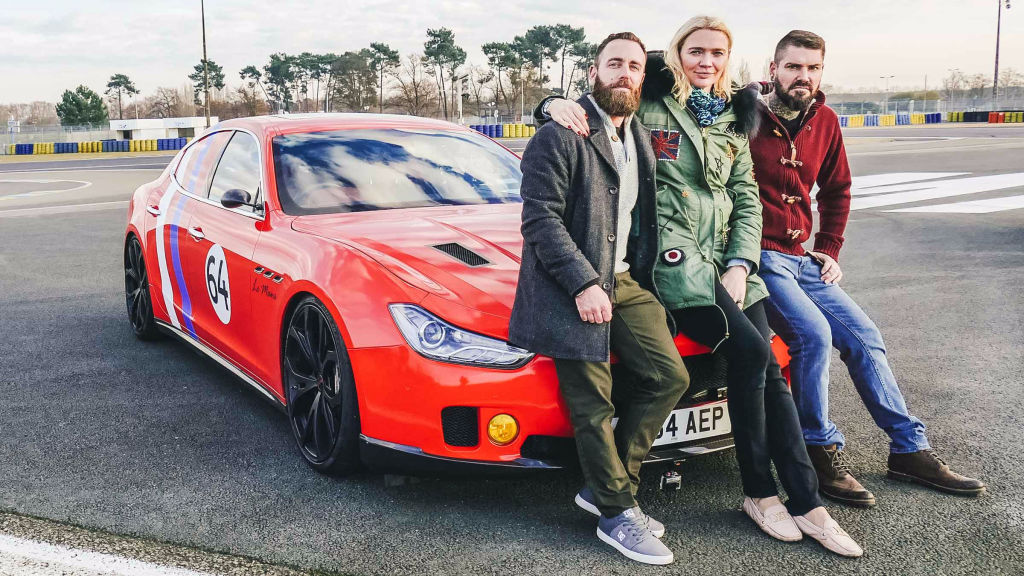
(628, 534)
(585, 500)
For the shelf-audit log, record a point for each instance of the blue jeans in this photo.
(812, 317)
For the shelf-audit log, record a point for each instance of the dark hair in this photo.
(800, 39)
(617, 36)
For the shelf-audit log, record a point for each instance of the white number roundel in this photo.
(217, 286)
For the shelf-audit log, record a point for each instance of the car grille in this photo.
(461, 425)
(463, 254)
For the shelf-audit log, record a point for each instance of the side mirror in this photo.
(235, 197)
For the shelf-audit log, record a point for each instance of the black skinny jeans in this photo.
(765, 423)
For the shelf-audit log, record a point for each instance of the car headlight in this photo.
(436, 339)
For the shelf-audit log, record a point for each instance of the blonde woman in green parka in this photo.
(709, 214)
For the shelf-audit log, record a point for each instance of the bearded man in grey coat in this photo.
(585, 290)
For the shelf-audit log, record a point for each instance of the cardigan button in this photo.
(611, 237)
(606, 286)
(613, 190)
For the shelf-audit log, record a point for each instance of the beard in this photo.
(615, 102)
(794, 102)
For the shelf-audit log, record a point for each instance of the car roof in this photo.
(271, 125)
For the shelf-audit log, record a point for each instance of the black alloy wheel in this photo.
(136, 292)
(320, 390)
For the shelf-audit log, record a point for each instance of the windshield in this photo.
(381, 169)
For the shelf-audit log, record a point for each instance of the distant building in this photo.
(154, 128)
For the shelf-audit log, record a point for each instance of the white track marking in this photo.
(83, 169)
(81, 184)
(869, 184)
(63, 209)
(62, 558)
(941, 189)
(161, 257)
(971, 207)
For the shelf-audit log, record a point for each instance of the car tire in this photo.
(138, 297)
(320, 390)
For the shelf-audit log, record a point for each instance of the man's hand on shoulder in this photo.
(593, 305)
(831, 273)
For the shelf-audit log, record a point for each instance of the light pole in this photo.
(886, 78)
(995, 75)
(206, 67)
(522, 102)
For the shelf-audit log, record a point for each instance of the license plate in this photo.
(686, 424)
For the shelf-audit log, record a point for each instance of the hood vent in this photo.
(462, 254)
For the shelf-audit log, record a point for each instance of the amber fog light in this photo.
(502, 429)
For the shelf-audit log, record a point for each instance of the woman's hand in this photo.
(735, 282)
(570, 115)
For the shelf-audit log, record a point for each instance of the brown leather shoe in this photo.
(834, 478)
(926, 468)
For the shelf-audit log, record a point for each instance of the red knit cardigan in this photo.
(786, 170)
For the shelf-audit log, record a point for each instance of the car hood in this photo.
(466, 257)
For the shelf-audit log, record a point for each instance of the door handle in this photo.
(196, 233)
(153, 209)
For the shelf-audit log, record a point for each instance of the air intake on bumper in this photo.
(461, 425)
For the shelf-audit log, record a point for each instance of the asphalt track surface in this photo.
(152, 440)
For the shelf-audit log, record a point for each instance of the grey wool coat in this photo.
(570, 213)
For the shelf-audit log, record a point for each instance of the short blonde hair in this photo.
(682, 88)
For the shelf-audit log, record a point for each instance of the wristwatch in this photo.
(544, 107)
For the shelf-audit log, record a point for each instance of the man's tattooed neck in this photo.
(781, 110)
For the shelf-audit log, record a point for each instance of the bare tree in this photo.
(416, 94)
(743, 73)
(479, 81)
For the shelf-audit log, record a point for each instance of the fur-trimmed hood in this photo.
(658, 83)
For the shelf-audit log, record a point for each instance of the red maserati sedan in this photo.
(358, 271)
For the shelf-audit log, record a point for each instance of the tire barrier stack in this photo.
(505, 130)
(901, 119)
(100, 146)
(1005, 117)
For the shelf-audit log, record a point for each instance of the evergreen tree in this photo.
(81, 106)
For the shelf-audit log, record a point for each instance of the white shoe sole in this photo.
(645, 558)
(593, 510)
(754, 513)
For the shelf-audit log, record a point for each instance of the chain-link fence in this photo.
(30, 134)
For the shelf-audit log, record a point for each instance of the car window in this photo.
(196, 166)
(380, 169)
(239, 167)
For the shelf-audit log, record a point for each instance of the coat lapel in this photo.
(686, 123)
(598, 136)
(645, 156)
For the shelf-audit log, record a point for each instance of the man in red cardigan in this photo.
(800, 144)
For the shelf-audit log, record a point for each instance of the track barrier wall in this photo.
(509, 131)
(97, 146)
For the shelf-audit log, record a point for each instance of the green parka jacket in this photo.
(709, 211)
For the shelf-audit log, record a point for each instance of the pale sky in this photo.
(51, 45)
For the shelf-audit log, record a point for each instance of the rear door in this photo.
(219, 251)
(173, 212)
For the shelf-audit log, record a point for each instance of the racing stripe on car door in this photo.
(161, 256)
(179, 276)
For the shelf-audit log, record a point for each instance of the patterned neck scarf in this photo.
(705, 107)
